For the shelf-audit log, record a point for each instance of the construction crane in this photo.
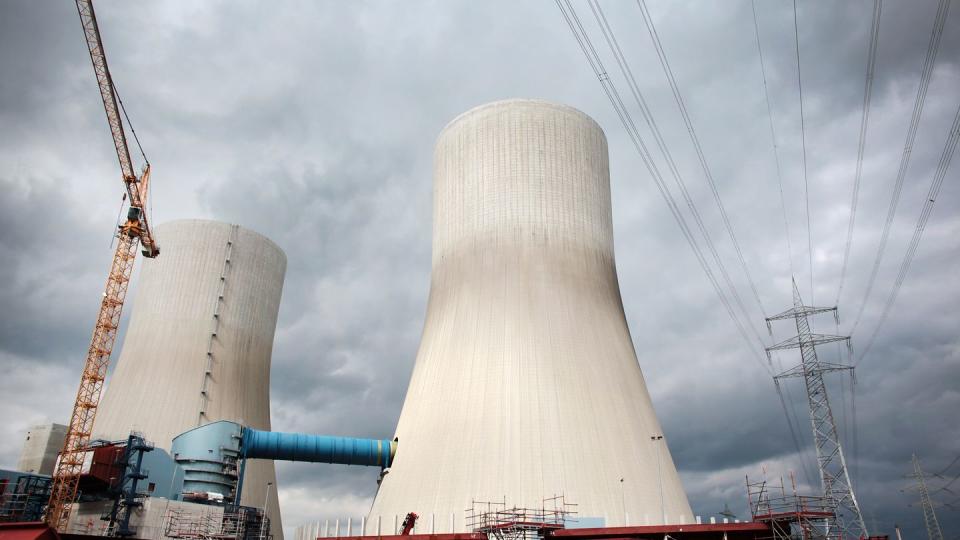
(135, 230)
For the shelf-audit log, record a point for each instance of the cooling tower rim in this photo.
(520, 101)
(259, 235)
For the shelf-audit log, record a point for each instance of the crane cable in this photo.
(926, 73)
(129, 123)
(609, 88)
(708, 174)
(864, 118)
(773, 138)
(651, 122)
(146, 161)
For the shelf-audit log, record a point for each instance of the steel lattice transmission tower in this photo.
(929, 516)
(834, 477)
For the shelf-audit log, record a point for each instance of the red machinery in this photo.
(408, 523)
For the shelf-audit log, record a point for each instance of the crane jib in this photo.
(66, 477)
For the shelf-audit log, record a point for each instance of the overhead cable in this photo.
(794, 432)
(668, 158)
(678, 98)
(803, 144)
(609, 88)
(925, 75)
(952, 463)
(945, 157)
(773, 138)
(864, 118)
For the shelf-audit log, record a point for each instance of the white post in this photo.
(713, 520)
(363, 525)
(452, 523)
(698, 520)
(263, 521)
(326, 528)
(396, 526)
(350, 526)
(623, 503)
(433, 524)
(657, 439)
(379, 525)
(336, 528)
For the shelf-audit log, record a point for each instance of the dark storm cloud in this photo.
(314, 124)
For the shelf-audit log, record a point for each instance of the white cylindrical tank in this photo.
(199, 342)
(526, 384)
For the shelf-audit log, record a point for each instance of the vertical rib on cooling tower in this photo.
(199, 342)
(526, 384)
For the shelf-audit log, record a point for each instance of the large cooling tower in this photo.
(526, 383)
(199, 342)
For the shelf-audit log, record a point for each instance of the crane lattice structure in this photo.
(135, 230)
(929, 515)
(834, 478)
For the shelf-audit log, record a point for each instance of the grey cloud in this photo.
(314, 123)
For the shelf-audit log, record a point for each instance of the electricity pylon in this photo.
(929, 516)
(834, 478)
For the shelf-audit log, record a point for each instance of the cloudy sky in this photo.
(313, 123)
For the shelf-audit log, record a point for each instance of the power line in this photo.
(794, 431)
(856, 432)
(945, 157)
(677, 96)
(926, 73)
(651, 122)
(946, 487)
(952, 463)
(773, 138)
(865, 115)
(803, 142)
(589, 51)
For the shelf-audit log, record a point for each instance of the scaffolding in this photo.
(501, 523)
(791, 516)
(27, 500)
(233, 523)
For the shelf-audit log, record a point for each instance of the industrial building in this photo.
(526, 384)
(40, 448)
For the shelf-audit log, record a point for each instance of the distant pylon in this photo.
(834, 478)
(929, 516)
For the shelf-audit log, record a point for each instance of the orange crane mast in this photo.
(135, 230)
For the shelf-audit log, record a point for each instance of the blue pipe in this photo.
(258, 444)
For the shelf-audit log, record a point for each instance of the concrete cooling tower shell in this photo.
(199, 342)
(526, 384)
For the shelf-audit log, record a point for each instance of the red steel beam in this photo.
(610, 533)
(735, 531)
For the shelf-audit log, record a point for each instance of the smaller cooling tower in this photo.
(198, 346)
